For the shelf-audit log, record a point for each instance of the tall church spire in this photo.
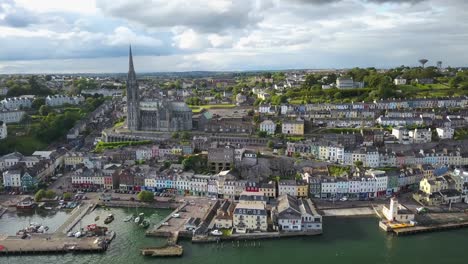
(131, 69)
(133, 97)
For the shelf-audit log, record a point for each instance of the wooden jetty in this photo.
(164, 251)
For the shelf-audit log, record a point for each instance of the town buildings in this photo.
(59, 100)
(17, 103)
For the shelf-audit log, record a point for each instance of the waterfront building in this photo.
(397, 212)
(295, 214)
(224, 215)
(250, 217)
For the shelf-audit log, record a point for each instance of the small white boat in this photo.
(70, 234)
(128, 218)
(137, 220)
(216, 233)
(78, 234)
(48, 208)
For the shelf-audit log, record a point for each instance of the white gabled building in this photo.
(268, 126)
(59, 100)
(399, 81)
(421, 135)
(13, 116)
(445, 132)
(12, 178)
(14, 103)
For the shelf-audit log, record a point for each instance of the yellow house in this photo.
(302, 189)
(73, 159)
(430, 186)
(293, 128)
(269, 189)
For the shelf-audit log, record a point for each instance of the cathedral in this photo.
(154, 115)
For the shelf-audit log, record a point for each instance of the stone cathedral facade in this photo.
(154, 115)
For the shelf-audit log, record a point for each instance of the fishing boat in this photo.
(128, 218)
(109, 219)
(78, 234)
(140, 218)
(26, 204)
(216, 232)
(145, 224)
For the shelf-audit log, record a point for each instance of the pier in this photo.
(77, 214)
(50, 245)
(3, 211)
(424, 229)
(165, 251)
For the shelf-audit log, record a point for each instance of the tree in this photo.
(145, 196)
(44, 110)
(67, 196)
(270, 144)
(262, 134)
(39, 195)
(358, 163)
(186, 135)
(38, 102)
(49, 194)
(175, 135)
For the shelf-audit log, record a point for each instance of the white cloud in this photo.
(73, 6)
(230, 34)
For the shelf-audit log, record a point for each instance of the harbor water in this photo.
(345, 240)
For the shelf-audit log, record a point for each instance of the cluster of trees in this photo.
(49, 194)
(197, 163)
(460, 81)
(195, 101)
(145, 196)
(335, 170)
(33, 87)
(54, 126)
(81, 84)
(184, 135)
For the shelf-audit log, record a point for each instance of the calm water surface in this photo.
(354, 240)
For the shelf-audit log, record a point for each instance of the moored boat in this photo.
(109, 219)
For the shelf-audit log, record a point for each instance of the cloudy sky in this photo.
(190, 35)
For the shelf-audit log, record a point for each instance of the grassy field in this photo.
(199, 108)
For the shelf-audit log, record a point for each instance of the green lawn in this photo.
(199, 108)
